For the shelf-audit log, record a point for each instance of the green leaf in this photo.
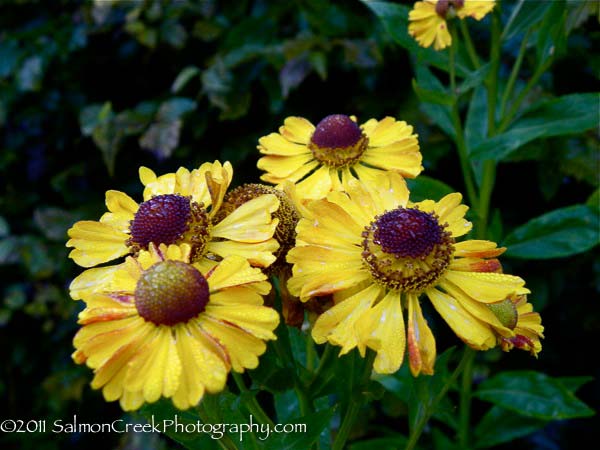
(186, 74)
(532, 394)
(4, 227)
(424, 188)
(476, 128)
(9, 57)
(569, 114)
(439, 114)
(524, 15)
(53, 222)
(563, 232)
(392, 442)
(304, 432)
(431, 96)
(552, 36)
(174, 108)
(574, 383)
(501, 425)
(593, 201)
(395, 20)
(474, 79)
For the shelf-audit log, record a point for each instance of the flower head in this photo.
(427, 20)
(179, 208)
(163, 327)
(324, 158)
(525, 323)
(376, 253)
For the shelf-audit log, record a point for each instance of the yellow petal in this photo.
(258, 254)
(147, 176)
(382, 329)
(402, 157)
(477, 9)
(300, 173)
(122, 210)
(297, 129)
(259, 321)
(110, 278)
(251, 222)
(276, 144)
(242, 347)
(388, 131)
(478, 249)
(96, 243)
(283, 166)
(421, 344)
(233, 271)
(336, 277)
(156, 370)
(337, 324)
(485, 287)
(472, 331)
(316, 185)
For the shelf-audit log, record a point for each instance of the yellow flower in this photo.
(162, 327)
(324, 158)
(376, 253)
(526, 325)
(427, 20)
(179, 208)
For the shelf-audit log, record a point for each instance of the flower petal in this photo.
(250, 222)
(421, 344)
(95, 243)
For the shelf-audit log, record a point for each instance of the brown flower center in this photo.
(338, 141)
(448, 7)
(407, 249)
(169, 219)
(171, 292)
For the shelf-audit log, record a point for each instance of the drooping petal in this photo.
(382, 329)
(250, 222)
(420, 340)
(485, 287)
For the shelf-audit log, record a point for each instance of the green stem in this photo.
(517, 103)
(355, 404)
(251, 402)
(225, 442)
(514, 73)
(285, 355)
(469, 44)
(456, 122)
(465, 398)
(311, 353)
(489, 167)
(415, 433)
(327, 355)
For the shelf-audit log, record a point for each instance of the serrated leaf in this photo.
(532, 394)
(424, 187)
(569, 114)
(563, 232)
(501, 425)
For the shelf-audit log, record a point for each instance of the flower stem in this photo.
(461, 145)
(469, 44)
(250, 401)
(488, 178)
(225, 441)
(465, 398)
(355, 404)
(328, 353)
(415, 433)
(286, 356)
(514, 73)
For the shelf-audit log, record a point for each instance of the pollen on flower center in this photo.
(171, 292)
(167, 219)
(337, 141)
(407, 249)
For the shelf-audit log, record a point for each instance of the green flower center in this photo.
(407, 249)
(171, 292)
(169, 219)
(338, 141)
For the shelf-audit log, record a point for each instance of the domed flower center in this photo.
(171, 292)
(445, 8)
(285, 233)
(407, 249)
(338, 141)
(506, 312)
(169, 219)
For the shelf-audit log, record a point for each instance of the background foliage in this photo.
(89, 91)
